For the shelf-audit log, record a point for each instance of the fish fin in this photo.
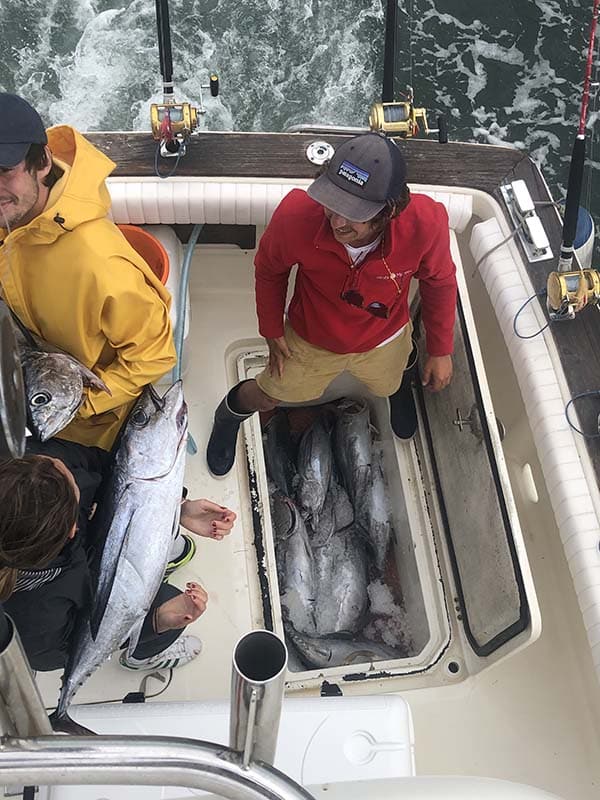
(64, 724)
(106, 580)
(90, 379)
(134, 637)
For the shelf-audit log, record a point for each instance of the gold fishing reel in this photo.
(173, 123)
(402, 120)
(570, 292)
(179, 118)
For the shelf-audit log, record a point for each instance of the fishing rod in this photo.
(173, 123)
(399, 119)
(578, 158)
(568, 292)
(390, 51)
(164, 48)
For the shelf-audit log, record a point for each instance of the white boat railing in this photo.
(37, 759)
(142, 761)
(22, 711)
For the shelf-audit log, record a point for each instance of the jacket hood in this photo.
(84, 196)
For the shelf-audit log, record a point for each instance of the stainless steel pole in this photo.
(257, 684)
(142, 761)
(22, 711)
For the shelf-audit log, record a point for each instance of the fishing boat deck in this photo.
(481, 167)
(533, 718)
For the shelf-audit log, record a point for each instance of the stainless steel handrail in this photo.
(22, 711)
(332, 129)
(142, 761)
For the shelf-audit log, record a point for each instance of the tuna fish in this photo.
(341, 569)
(323, 653)
(280, 453)
(55, 384)
(373, 516)
(138, 517)
(353, 448)
(295, 566)
(315, 459)
(337, 513)
(363, 476)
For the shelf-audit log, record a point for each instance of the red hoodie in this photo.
(416, 243)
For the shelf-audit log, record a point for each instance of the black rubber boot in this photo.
(220, 453)
(403, 414)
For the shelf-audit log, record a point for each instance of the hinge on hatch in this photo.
(330, 690)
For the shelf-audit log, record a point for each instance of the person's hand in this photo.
(437, 372)
(278, 353)
(181, 610)
(206, 518)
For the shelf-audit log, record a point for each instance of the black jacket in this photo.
(45, 615)
(45, 609)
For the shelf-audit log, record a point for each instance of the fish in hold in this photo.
(295, 565)
(315, 460)
(280, 453)
(341, 570)
(322, 653)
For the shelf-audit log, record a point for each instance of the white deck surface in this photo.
(534, 718)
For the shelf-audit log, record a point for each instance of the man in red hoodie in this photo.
(358, 238)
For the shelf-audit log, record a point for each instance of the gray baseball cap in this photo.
(363, 174)
(20, 127)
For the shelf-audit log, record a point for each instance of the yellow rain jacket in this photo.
(73, 279)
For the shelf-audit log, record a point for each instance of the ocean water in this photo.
(508, 72)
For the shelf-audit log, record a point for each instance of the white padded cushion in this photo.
(151, 201)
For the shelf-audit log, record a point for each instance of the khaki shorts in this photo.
(311, 369)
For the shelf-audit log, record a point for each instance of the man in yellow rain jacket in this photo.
(69, 274)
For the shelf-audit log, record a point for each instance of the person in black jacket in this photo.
(46, 501)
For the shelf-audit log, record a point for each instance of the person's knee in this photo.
(251, 396)
(267, 403)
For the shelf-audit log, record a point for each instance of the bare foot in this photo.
(181, 610)
(205, 518)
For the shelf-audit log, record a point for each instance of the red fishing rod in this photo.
(578, 158)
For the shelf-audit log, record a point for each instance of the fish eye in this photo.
(40, 399)
(139, 418)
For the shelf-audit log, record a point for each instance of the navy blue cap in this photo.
(20, 127)
(362, 175)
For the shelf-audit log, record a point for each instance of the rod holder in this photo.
(257, 684)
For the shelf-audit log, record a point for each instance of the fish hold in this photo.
(322, 653)
(280, 453)
(341, 570)
(315, 459)
(137, 519)
(296, 572)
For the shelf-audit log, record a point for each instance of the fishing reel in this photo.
(174, 123)
(402, 120)
(571, 292)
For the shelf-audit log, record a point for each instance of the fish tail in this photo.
(63, 723)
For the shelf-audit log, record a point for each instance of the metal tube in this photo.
(389, 51)
(142, 761)
(22, 711)
(342, 130)
(182, 299)
(257, 683)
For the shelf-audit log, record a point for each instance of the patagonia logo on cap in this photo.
(353, 173)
